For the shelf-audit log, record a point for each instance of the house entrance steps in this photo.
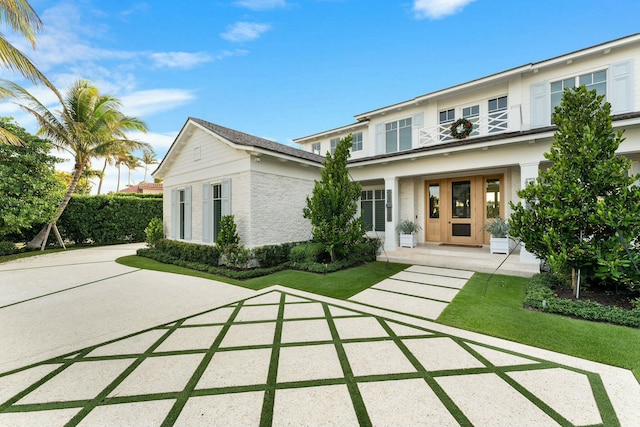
(472, 258)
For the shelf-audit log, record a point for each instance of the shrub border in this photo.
(541, 297)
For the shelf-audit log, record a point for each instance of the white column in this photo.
(392, 211)
(528, 174)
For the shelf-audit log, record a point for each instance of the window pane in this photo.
(391, 140)
(461, 199)
(217, 215)
(434, 201)
(366, 211)
(405, 138)
(493, 197)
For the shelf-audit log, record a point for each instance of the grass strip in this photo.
(501, 314)
(340, 284)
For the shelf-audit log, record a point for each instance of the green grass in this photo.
(500, 313)
(340, 285)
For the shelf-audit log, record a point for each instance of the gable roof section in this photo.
(239, 139)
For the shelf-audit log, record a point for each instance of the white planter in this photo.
(408, 240)
(499, 245)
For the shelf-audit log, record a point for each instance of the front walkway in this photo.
(284, 357)
(472, 258)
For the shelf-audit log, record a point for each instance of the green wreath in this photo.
(461, 128)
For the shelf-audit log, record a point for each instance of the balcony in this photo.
(494, 123)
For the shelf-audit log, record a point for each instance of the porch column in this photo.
(528, 174)
(392, 210)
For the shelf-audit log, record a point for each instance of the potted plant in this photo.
(408, 229)
(499, 230)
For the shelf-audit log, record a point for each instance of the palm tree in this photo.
(85, 126)
(21, 18)
(148, 158)
(132, 162)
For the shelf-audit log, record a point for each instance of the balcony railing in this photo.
(493, 123)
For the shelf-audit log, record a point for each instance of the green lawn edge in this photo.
(340, 284)
(500, 313)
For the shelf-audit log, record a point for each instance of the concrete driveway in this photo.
(85, 341)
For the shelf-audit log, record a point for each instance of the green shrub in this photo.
(154, 231)
(108, 219)
(190, 252)
(539, 295)
(309, 252)
(236, 255)
(272, 255)
(228, 234)
(8, 248)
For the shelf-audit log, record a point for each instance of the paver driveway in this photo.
(278, 357)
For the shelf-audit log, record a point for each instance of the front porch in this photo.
(473, 258)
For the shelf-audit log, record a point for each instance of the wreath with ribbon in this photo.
(461, 128)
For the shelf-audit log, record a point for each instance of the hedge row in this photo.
(271, 258)
(108, 219)
(165, 258)
(539, 295)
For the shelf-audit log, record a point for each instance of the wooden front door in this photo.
(458, 208)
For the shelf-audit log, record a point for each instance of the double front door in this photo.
(458, 208)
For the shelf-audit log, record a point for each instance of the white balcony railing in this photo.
(493, 123)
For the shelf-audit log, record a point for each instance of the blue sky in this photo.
(283, 69)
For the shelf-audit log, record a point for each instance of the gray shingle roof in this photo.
(242, 138)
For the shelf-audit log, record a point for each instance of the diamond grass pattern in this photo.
(279, 358)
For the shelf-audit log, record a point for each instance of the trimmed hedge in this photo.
(8, 248)
(270, 258)
(540, 296)
(108, 219)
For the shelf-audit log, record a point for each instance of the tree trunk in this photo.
(43, 235)
(118, 186)
(104, 168)
(574, 283)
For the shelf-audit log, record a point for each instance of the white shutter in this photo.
(226, 196)
(187, 213)
(206, 212)
(417, 120)
(540, 105)
(621, 87)
(175, 215)
(380, 138)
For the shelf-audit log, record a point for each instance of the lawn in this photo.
(500, 314)
(340, 285)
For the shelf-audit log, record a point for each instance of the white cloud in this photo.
(245, 31)
(184, 60)
(261, 4)
(436, 9)
(152, 101)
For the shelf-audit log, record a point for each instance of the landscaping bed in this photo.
(545, 293)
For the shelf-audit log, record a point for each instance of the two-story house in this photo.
(451, 159)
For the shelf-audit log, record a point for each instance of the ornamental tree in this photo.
(29, 189)
(333, 206)
(576, 207)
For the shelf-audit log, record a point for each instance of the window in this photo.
(434, 201)
(498, 114)
(315, 148)
(182, 202)
(372, 206)
(334, 144)
(357, 142)
(398, 136)
(216, 190)
(446, 117)
(472, 113)
(596, 80)
(492, 191)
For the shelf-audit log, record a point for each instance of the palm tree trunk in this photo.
(43, 235)
(146, 166)
(104, 168)
(118, 186)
